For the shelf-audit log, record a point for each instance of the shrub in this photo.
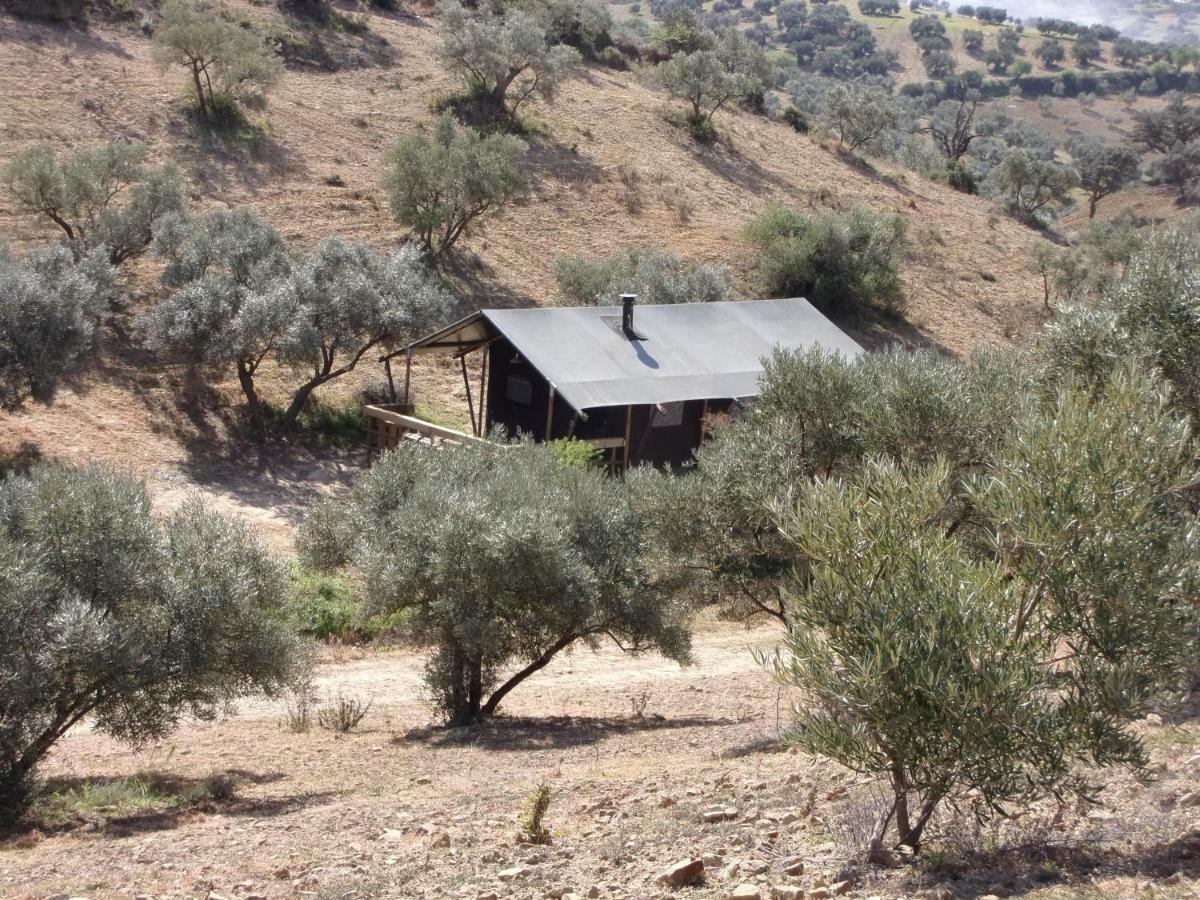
(711, 78)
(505, 558)
(574, 452)
(962, 686)
(1050, 52)
(840, 262)
(240, 300)
(972, 39)
(131, 620)
(230, 66)
(321, 605)
(795, 119)
(655, 276)
(505, 54)
(79, 193)
(443, 185)
(536, 806)
(49, 306)
(343, 714)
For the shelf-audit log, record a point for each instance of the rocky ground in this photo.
(664, 782)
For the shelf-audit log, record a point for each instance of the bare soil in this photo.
(634, 750)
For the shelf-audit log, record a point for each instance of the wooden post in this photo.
(387, 367)
(703, 416)
(407, 379)
(550, 413)
(483, 399)
(470, 405)
(628, 433)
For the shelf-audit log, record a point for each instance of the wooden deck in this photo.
(388, 425)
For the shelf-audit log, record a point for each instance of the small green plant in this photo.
(343, 714)
(574, 452)
(536, 805)
(321, 605)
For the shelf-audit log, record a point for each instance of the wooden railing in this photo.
(387, 426)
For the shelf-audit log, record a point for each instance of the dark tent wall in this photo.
(518, 399)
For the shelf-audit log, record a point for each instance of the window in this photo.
(667, 415)
(519, 390)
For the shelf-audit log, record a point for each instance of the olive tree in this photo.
(1103, 168)
(819, 415)
(506, 53)
(131, 621)
(655, 276)
(240, 301)
(1168, 128)
(1009, 660)
(442, 185)
(229, 65)
(1028, 187)
(708, 79)
(99, 198)
(49, 306)
(502, 557)
(859, 114)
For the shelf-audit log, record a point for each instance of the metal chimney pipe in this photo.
(627, 301)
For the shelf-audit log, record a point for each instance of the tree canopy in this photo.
(114, 615)
(99, 198)
(501, 558)
(443, 185)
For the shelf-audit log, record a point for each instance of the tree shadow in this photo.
(552, 162)
(163, 801)
(1041, 866)
(218, 160)
(62, 36)
(866, 169)
(519, 733)
(728, 164)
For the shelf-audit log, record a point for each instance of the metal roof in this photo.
(687, 351)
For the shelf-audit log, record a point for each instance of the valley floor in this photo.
(635, 751)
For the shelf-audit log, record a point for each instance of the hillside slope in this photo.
(609, 170)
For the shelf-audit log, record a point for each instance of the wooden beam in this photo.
(428, 429)
(550, 413)
(483, 397)
(628, 430)
(470, 404)
(407, 378)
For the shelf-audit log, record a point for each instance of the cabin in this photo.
(637, 382)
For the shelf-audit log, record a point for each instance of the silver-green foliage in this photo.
(240, 300)
(131, 621)
(819, 415)
(845, 262)
(100, 198)
(998, 656)
(227, 63)
(442, 185)
(710, 78)
(1151, 313)
(49, 305)
(504, 557)
(654, 275)
(507, 53)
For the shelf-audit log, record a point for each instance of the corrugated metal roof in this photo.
(688, 351)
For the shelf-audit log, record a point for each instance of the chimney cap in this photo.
(628, 298)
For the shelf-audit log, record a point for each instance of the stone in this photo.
(439, 839)
(1154, 719)
(746, 892)
(719, 814)
(488, 895)
(819, 893)
(392, 835)
(713, 860)
(793, 865)
(841, 887)
(999, 890)
(512, 873)
(684, 872)
(283, 873)
(1191, 798)
(787, 892)
(593, 892)
(937, 892)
